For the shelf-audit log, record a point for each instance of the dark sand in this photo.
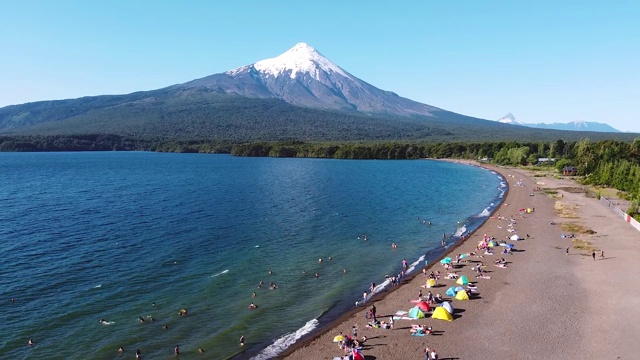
(545, 305)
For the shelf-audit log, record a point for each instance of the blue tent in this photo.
(451, 291)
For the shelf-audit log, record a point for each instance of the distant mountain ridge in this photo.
(570, 126)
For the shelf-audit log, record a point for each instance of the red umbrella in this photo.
(357, 356)
(424, 306)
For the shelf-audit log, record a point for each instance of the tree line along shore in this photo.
(607, 163)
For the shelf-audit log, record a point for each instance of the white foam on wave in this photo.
(485, 212)
(413, 265)
(220, 273)
(461, 230)
(286, 340)
(97, 286)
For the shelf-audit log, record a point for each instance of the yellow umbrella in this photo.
(338, 338)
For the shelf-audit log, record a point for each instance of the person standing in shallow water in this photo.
(241, 340)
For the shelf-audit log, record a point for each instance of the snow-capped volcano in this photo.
(302, 76)
(508, 119)
(301, 58)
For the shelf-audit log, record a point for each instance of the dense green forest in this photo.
(609, 163)
(204, 114)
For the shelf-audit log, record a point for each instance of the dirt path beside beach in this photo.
(546, 304)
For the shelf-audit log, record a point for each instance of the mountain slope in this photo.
(302, 76)
(299, 95)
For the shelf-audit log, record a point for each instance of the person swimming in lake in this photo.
(182, 312)
(317, 275)
(254, 294)
(253, 306)
(241, 340)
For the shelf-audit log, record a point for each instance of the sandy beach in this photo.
(545, 304)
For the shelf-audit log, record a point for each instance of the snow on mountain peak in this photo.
(301, 58)
(508, 119)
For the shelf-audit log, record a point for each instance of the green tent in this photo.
(416, 313)
(462, 295)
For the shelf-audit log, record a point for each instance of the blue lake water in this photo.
(86, 236)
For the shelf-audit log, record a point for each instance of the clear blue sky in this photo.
(544, 61)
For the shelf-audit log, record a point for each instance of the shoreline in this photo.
(552, 301)
(380, 296)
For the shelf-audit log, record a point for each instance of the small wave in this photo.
(485, 213)
(461, 230)
(286, 340)
(220, 273)
(97, 286)
(413, 265)
(257, 246)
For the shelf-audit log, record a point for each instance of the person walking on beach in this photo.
(601, 253)
(567, 251)
(373, 312)
(593, 254)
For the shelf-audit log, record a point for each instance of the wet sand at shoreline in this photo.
(545, 304)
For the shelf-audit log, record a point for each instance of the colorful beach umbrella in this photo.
(451, 291)
(446, 260)
(462, 295)
(447, 306)
(462, 280)
(431, 283)
(442, 314)
(424, 306)
(416, 313)
(338, 338)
